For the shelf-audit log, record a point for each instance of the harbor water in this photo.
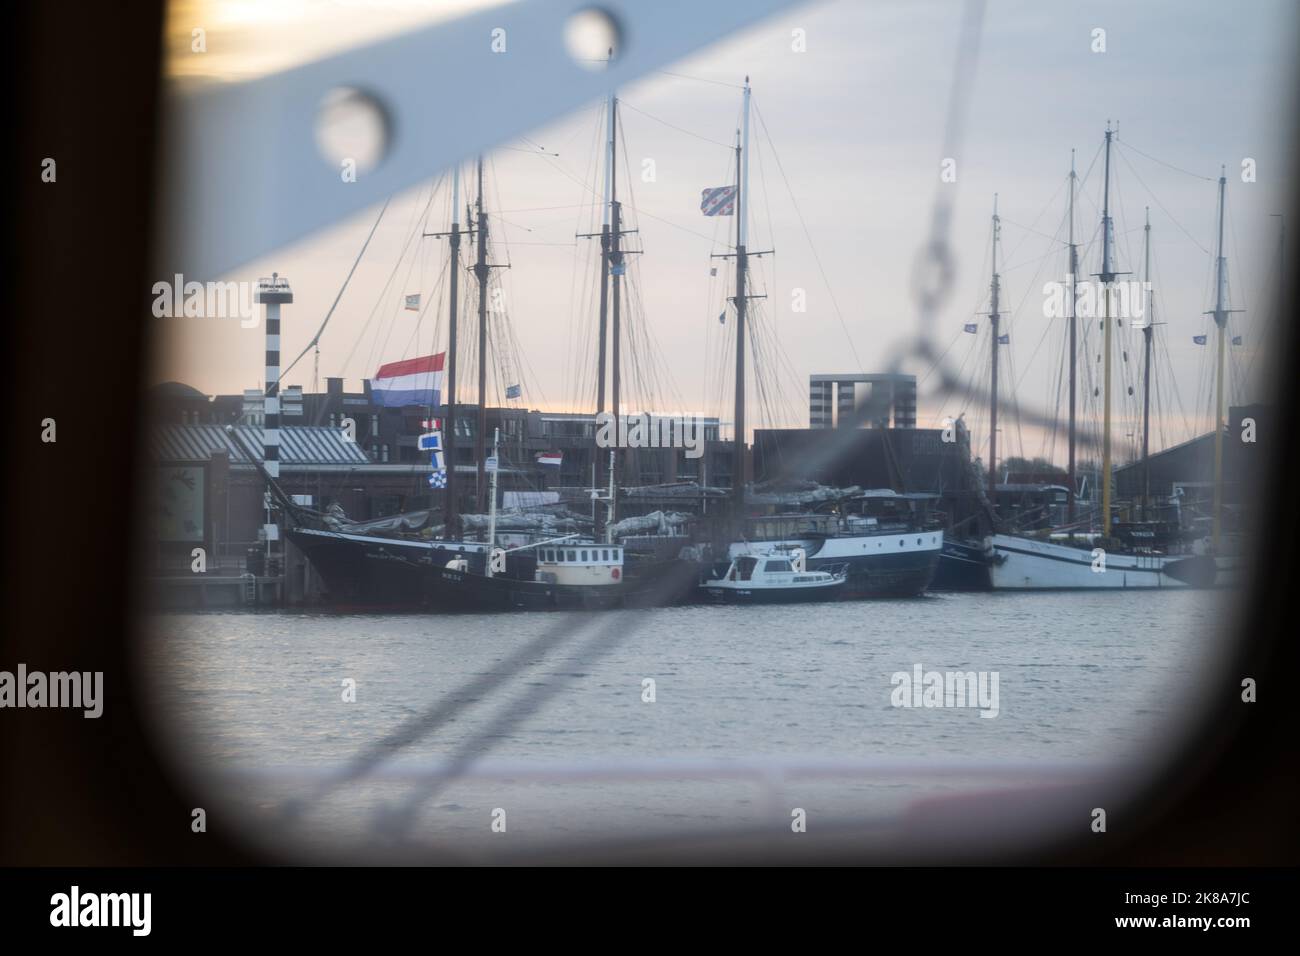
(259, 708)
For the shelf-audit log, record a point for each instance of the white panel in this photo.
(218, 215)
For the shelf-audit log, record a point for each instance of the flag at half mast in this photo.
(416, 381)
(718, 201)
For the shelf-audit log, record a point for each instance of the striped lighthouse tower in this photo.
(272, 293)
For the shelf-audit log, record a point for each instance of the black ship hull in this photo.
(399, 574)
(962, 567)
(898, 564)
(377, 573)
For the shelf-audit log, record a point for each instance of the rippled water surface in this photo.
(254, 705)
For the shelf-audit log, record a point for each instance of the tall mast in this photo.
(481, 273)
(1221, 320)
(492, 498)
(1107, 276)
(608, 249)
(449, 426)
(994, 318)
(742, 193)
(1148, 332)
(616, 287)
(604, 259)
(1073, 480)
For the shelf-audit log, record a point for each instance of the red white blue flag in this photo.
(718, 201)
(416, 381)
(550, 459)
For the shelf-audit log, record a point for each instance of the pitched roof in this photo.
(299, 444)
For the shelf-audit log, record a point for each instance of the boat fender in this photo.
(615, 573)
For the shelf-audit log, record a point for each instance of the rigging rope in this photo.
(315, 339)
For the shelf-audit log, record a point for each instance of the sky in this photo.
(845, 165)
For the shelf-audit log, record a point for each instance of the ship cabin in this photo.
(580, 564)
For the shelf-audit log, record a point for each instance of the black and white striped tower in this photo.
(272, 293)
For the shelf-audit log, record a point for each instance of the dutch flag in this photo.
(416, 381)
(550, 459)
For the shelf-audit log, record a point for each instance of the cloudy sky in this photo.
(845, 166)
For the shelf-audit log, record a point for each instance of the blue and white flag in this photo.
(514, 391)
(718, 201)
(970, 327)
(1198, 339)
(1236, 340)
(413, 302)
(438, 479)
(431, 441)
(1004, 340)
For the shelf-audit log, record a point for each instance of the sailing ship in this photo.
(393, 571)
(889, 556)
(894, 559)
(1141, 554)
(602, 571)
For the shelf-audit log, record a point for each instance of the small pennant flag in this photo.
(431, 424)
(550, 459)
(1236, 340)
(431, 441)
(1004, 340)
(722, 318)
(718, 201)
(438, 479)
(413, 302)
(1198, 339)
(970, 327)
(514, 391)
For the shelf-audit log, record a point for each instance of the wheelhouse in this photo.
(580, 563)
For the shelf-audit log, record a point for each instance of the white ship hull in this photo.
(1025, 564)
